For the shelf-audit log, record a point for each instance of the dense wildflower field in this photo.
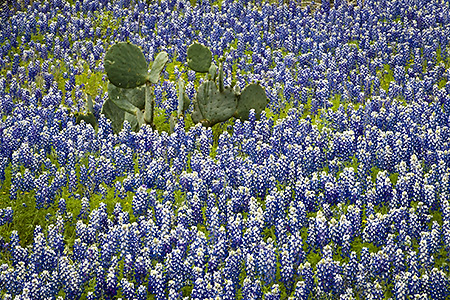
(339, 190)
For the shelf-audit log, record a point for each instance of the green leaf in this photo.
(199, 58)
(126, 66)
(118, 96)
(114, 113)
(159, 63)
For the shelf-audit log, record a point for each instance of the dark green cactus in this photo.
(130, 94)
(132, 119)
(252, 96)
(196, 115)
(126, 66)
(183, 100)
(126, 99)
(213, 71)
(199, 58)
(87, 118)
(215, 106)
(215, 103)
(158, 65)
(114, 113)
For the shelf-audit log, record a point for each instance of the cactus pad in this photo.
(214, 106)
(120, 98)
(196, 114)
(114, 113)
(125, 65)
(252, 96)
(199, 58)
(132, 119)
(221, 87)
(213, 71)
(159, 63)
(183, 100)
(90, 104)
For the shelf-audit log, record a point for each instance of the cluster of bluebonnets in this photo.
(246, 218)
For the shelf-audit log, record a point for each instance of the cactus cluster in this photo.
(130, 96)
(215, 103)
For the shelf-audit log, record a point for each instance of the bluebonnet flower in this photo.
(327, 269)
(157, 282)
(439, 284)
(273, 294)
(6, 215)
(140, 202)
(70, 278)
(111, 285)
(379, 264)
(287, 271)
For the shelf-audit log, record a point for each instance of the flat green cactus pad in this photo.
(159, 63)
(90, 104)
(196, 114)
(126, 66)
(136, 96)
(199, 58)
(114, 113)
(252, 96)
(213, 71)
(133, 121)
(214, 106)
(129, 100)
(186, 102)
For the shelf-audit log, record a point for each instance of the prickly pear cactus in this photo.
(158, 65)
(215, 103)
(88, 118)
(213, 71)
(123, 98)
(196, 115)
(126, 66)
(252, 96)
(132, 119)
(113, 113)
(129, 90)
(215, 106)
(183, 99)
(199, 58)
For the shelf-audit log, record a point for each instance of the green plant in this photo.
(214, 103)
(130, 95)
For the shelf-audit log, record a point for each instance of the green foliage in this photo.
(88, 117)
(215, 103)
(90, 81)
(199, 58)
(126, 67)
